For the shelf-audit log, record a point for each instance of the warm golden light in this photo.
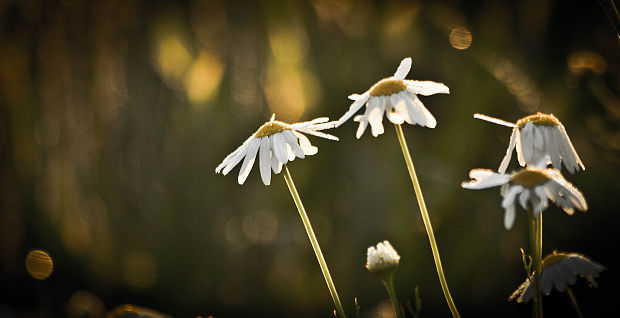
(460, 38)
(203, 78)
(39, 264)
(581, 61)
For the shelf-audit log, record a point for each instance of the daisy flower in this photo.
(538, 138)
(382, 259)
(532, 185)
(559, 270)
(383, 262)
(276, 143)
(397, 98)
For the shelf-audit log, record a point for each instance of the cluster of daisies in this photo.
(540, 141)
(276, 142)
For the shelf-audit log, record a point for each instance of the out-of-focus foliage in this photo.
(114, 114)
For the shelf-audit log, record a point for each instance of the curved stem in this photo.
(426, 219)
(315, 243)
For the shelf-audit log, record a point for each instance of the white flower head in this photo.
(276, 143)
(559, 270)
(532, 185)
(397, 98)
(382, 260)
(539, 138)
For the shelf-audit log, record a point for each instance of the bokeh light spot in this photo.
(39, 264)
(85, 304)
(581, 61)
(139, 270)
(260, 227)
(460, 38)
(203, 78)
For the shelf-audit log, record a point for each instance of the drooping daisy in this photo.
(532, 185)
(397, 98)
(559, 270)
(276, 143)
(539, 138)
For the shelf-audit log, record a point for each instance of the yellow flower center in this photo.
(387, 86)
(539, 119)
(271, 127)
(529, 177)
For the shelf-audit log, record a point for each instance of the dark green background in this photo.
(114, 115)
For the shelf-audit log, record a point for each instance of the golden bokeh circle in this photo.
(460, 38)
(39, 264)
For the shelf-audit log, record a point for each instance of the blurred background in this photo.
(114, 115)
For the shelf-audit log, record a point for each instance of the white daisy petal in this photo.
(518, 147)
(494, 120)
(509, 216)
(553, 146)
(357, 104)
(276, 165)
(305, 144)
(509, 198)
(289, 153)
(393, 116)
(319, 134)
(391, 111)
(291, 140)
(569, 195)
(484, 178)
(403, 69)
(527, 142)
(355, 96)
(264, 157)
(511, 146)
(430, 120)
(523, 198)
(362, 126)
(539, 142)
(413, 112)
(233, 158)
(549, 275)
(569, 155)
(426, 88)
(248, 162)
(279, 147)
(375, 116)
(542, 203)
(403, 108)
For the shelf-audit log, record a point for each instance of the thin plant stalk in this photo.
(573, 301)
(426, 219)
(389, 286)
(315, 243)
(536, 243)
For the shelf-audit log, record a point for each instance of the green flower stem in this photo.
(389, 286)
(426, 219)
(573, 301)
(314, 242)
(536, 242)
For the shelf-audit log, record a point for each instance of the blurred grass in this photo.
(114, 115)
